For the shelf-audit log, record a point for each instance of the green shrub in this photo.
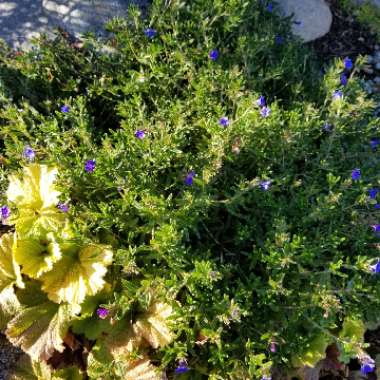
(187, 244)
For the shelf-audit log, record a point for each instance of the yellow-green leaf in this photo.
(35, 256)
(36, 199)
(9, 270)
(78, 274)
(153, 326)
(138, 370)
(9, 306)
(39, 330)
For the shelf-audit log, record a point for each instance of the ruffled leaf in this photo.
(39, 330)
(78, 274)
(37, 257)
(36, 198)
(138, 370)
(9, 306)
(153, 326)
(9, 270)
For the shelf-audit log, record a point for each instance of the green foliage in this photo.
(210, 272)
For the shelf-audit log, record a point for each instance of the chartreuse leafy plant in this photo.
(191, 198)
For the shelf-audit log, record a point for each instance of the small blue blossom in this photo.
(343, 80)
(182, 367)
(376, 228)
(224, 122)
(102, 312)
(278, 40)
(327, 127)
(337, 94)
(140, 134)
(377, 206)
(266, 377)
(356, 174)
(270, 7)
(65, 108)
(265, 185)
(367, 365)
(261, 101)
(29, 153)
(150, 33)
(373, 192)
(375, 268)
(297, 22)
(89, 166)
(64, 207)
(265, 111)
(348, 65)
(374, 142)
(214, 54)
(189, 178)
(5, 212)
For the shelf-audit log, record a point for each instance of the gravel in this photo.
(8, 357)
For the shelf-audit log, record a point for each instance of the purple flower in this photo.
(273, 347)
(65, 108)
(265, 111)
(89, 166)
(264, 185)
(102, 312)
(5, 212)
(224, 122)
(189, 178)
(375, 268)
(29, 153)
(182, 367)
(374, 142)
(270, 7)
(376, 228)
(278, 40)
(150, 32)
(266, 377)
(327, 127)
(348, 63)
(373, 192)
(213, 55)
(367, 365)
(261, 101)
(64, 207)
(337, 94)
(355, 174)
(140, 134)
(343, 80)
(377, 206)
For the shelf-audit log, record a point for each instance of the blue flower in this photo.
(356, 174)
(376, 228)
(150, 32)
(214, 54)
(270, 7)
(182, 367)
(64, 207)
(189, 178)
(5, 212)
(261, 101)
(224, 122)
(373, 192)
(264, 185)
(348, 65)
(278, 40)
(265, 111)
(377, 206)
(29, 153)
(374, 142)
(89, 166)
(367, 365)
(65, 108)
(327, 127)
(343, 79)
(375, 268)
(297, 22)
(337, 94)
(140, 134)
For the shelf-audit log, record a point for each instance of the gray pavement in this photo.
(21, 20)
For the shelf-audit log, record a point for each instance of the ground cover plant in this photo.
(195, 200)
